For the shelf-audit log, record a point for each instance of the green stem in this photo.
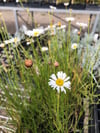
(58, 120)
(80, 29)
(88, 26)
(68, 41)
(58, 105)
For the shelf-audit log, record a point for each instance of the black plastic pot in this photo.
(97, 118)
(93, 6)
(77, 6)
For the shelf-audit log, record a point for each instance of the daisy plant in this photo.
(45, 83)
(59, 83)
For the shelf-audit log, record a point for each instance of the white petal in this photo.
(60, 74)
(51, 80)
(58, 89)
(67, 79)
(62, 89)
(67, 85)
(64, 76)
(52, 83)
(53, 76)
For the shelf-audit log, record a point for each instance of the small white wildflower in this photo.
(29, 33)
(6, 86)
(59, 82)
(52, 7)
(22, 89)
(3, 99)
(17, 1)
(74, 46)
(83, 25)
(2, 92)
(2, 45)
(68, 19)
(44, 49)
(12, 40)
(19, 96)
(51, 29)
(4, 1)
(11, 94)
(95, 38)
(34, 32)
(62, 27)
(29, 42)
(66, 4)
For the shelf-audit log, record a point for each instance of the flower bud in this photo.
(78, 33)
(28, 62)
(56, 64)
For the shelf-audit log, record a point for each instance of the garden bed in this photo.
(48, 78)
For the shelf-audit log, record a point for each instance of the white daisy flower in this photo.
(53, 7)
(52, 29)
(29, 41)
(69, 19)
(4, 1)
(29, 33)
(2, 45)
(34, 32)
(95, 38)
(84, 25)
(74, 46)
(12, 40)
(17, 1)
(44, 49)
(59, 82)
(38, 32)
(66, 4)
(61, 27)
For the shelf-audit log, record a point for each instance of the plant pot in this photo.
(77, 6)
(93, 6)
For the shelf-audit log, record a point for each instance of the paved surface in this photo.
(40, 19)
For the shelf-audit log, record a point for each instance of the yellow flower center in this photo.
(59, 82)
(28, 10)
(51, 26)
(75, 46)
(59, 24)
(36, 33)
(52, 31)
(15, 40)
